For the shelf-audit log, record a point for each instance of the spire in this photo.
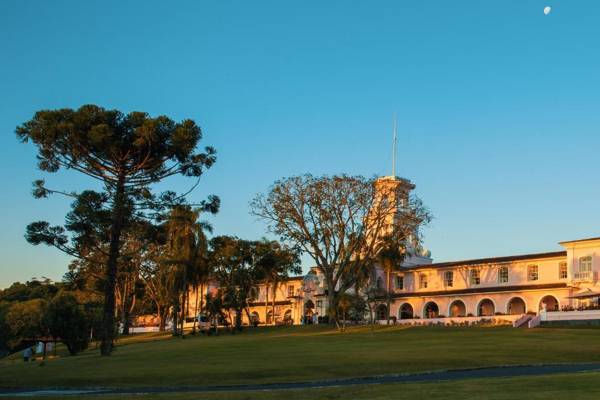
(394, 150)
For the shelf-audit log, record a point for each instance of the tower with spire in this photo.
(396, 191)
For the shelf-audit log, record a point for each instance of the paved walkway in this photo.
(491, 372)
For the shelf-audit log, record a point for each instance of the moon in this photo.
(547, 10)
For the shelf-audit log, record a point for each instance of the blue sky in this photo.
(498, 106)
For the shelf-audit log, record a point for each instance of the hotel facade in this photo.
(512, 288)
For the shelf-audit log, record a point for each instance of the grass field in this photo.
(583, 386)
(319, 352)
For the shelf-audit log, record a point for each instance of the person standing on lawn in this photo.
(27, 354)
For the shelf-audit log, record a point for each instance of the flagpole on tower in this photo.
(394, 149)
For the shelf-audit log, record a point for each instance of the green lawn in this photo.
(582, 386)
(309, 353)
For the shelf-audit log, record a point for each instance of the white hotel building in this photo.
(515, 288)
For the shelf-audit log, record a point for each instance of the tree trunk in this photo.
(195, 312)
(238, 319)
(331, 310)
(108, 316)
(175, 317)
(128, 301)
(266, 303)
(162, 319)
(183, 308)
(250, 322)
(125, 321)
(273, 301)
(201, 297)
(389, 293)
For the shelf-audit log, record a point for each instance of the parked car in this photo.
(204, 324)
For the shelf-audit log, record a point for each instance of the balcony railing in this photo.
(584, 276)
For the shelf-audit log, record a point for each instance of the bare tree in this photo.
(343, 222)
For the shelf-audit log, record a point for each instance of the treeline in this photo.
(43, 310)
(138, 249)
(156, 279)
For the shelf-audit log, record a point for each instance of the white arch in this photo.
(511, 299)
(402, 305)
(423, 313)
(379, 308)
(452, 302)
(548, 295)
(479, 304)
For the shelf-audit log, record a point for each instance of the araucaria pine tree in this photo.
(126, 155)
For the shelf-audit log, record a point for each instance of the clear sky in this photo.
(498, 106)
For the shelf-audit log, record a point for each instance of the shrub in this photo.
(66, 321)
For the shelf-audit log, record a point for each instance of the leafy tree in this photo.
(66, 320)
(214, 308)
(25, 320)
(342, 222)
(5, 334)
(344, 304)
(275, 263)
(234, 269)
(126, 155)
(157, 281)
(34, 289)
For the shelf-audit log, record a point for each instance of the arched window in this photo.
(406, 311)
(253, 294)
(457, 309)
(549, 302)
(379, 283)
(381, 312)
(486, 308)
(585, 264)
(516, 306)
(585, 268)
(287, 318)
(431, 310)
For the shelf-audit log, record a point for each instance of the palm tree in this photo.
(187, 258)
(390, 257)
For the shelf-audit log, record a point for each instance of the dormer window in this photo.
(448, 278)
(423, 281)
(503, 274)
(399, 282)
(474, 277)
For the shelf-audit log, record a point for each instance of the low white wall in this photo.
(570, 315)
(453, 320)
